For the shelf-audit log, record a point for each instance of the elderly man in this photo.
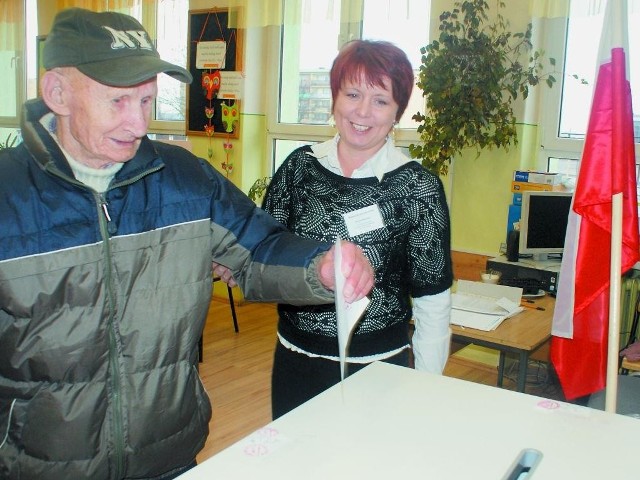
(107, 241)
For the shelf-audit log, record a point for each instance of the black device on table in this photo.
(529, 275)
(530, 286)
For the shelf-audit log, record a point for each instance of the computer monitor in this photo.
(543, 223)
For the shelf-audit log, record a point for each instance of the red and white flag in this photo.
(581, 317)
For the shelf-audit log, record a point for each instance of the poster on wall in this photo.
(215, 61)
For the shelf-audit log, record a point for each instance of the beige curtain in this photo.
(263, 13)
(254, 13)
(103, 5)
(552, 8)
(10, 11)
(560, 8)
(10, 19)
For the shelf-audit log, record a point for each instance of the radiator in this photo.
(629, 291)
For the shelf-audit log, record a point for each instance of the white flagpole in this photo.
(619, 36)
(615, 280)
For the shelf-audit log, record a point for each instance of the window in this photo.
(167, 22)
(13, 32)
(301, 113)
(567, 108)
(583, 35)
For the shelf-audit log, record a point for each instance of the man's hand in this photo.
(224, 273)
(356, 269)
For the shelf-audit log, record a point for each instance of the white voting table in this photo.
(389, 422)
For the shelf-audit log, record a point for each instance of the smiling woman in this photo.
(359, 187)
(367, 102)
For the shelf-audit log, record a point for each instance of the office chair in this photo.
(231, 304)
(626, 365)
(233, 316)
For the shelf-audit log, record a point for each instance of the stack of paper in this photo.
(484, 306)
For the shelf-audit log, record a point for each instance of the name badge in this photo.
(363, 220)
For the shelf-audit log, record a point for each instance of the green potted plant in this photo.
(258, 189)
(470, 77)
(9, 142)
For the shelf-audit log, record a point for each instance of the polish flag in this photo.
(602, 233)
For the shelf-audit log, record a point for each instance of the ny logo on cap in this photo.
(129, 39)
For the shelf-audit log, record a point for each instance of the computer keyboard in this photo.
(530, 286)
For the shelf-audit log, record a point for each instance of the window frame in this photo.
(161, 127)
(26, 55)
(277, 130)
(551, 144)
(20, 62)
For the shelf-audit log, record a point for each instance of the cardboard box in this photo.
(522, 186)
(517, 199)
(537, 177)
(513, 216)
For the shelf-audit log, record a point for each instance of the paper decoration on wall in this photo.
(227, 165)
(229, 120)
(229, 116)
(215, 58)
(209, 130)
(211, 54)
(211, 84)
(232, 87)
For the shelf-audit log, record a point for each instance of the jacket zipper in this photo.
(114, 365)
(106, 230)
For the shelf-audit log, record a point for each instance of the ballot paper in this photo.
(484, 306)
(347, 314)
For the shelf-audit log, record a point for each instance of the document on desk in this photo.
(347, 314)
(484, 306)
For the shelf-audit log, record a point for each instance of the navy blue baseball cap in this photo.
(111, 48)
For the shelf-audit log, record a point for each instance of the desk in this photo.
(522, 334)
(387, 422)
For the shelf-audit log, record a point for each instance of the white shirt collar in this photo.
(386, 159)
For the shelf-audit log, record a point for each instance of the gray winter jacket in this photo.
(103, 298)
